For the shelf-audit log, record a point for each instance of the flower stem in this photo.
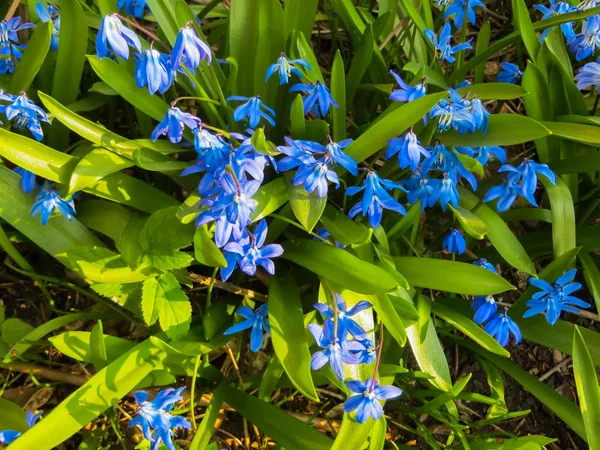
(201, 99)
(376, 371)
(335, 316)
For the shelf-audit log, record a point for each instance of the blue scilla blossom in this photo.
(555, 9)
(454, 242)
(7, 65)
(48, 200)
(346, 325)
(9, 436)
(447, 162)
(444, 191)
(174, 123)
(365, 350)
(506, 193)
(367, 401)
(190, 49)
(484, 154)
(205, 141)
(27, 179)
(317, 98)
(443, 48)
(407, 93)
(456, 113)
(50, 14)
(527, 173)
(585, 43)
(335, 154)
(24, 114)
(133, 8)
(252, 110)
(555, 298)
(257, 320)
(117, 37)
(375, 199)
(458, 9)
(589, 75)
(480, 116)
(152, 69)
(485, 264)
(316, 175)
(154, 417)
(484, 307)
(9, 29)
(409, 150)
(418, 188)
(500, 328)
(335, 352)
(510, 73)
(285, 68)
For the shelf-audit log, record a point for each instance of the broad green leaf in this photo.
(342, 229)
(360, 63)
(450, 276)
(11, 416)
(305, 52)
(493, 91)
(338, 92)
(270, 42)
(307, 208)
(339, 266)
(164, 13)
(14, 330)
(97, 347)
(317, 130)
(471, 223)
(584, 134)
(586, 162)
(471, 164)
(206, 251)
(591, 274)
(483, 41)
(299, 15)
(243, 39)
(94, 166)
(32, 59)
(378, 434)
(108, 218)
(157, 162)
(389, 315)
(588, 390)
(207, 426)
(524, 25)
(430, 356)
(297, 123)
(163, 233)
(287, 333)
(269, 379)
(563, 216)
(270, 197)
(163, 300)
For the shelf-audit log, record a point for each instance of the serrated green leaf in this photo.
(13, 330)
(163, 300)
(169, 260)
(163, 233)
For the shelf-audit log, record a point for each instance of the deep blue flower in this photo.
(189, 49)
(174, 123)
(480, 115)
(113, 33)
(589, 75)
(500, 328)
(345, 323)
(133, 8)
(316, 175)
(510, 73)
(506, 193)
(206, 142)
(8, 32)
(459, 7)
(50, 14)
(7, 66)
(418, 188)
(317, 98)
(447, 162)
(555, 9)
(252, 110)
(527, 174)
(454, 242)
(443, 190)
(335, 154)
(407, 93)
(154, 417)
(375, 198)
(285, 68)
(409, 150)
(334, 353)
(484, 154)
(482, 262)
(555, 298)
(257, 320)
(485, 307)
(365, 350)
(152, 70)
(48, 200)
(24, 113)
(585, 43)
(297, 153)
(9, 436)
(456, 113)
(367, 402)
(444, 50)
(27, 179)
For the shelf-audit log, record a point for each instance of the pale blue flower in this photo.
(113, 33)
(367, 402)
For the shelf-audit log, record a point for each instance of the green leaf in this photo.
(206, 251)
(450, 276)
(592, 275)
(164, 13)
(563, 216)
(163, 300)
(584, 134)
(287, 333)
(339, 266)
(317, 130)
(342, 229)
(299, 15)
(360, 63)
(442, 399)
(524, 25)
(156, 162)
(588, 390)
(163, 233)
(297, 124)
(471, 223)
(169, 260)
(97, 347)
(13, 330)
(306, 53)
(243, 39)
(307, 208)
(94, 166)
(270, 42)
(270, 197)
(471, 164)
(269, 379)
(207, 426)
(11, 416)
(493, 91)
(483, 41)
(430, 355)
(33, 58)
(338, 92)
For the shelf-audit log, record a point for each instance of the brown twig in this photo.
(12, 10)
(229, 287)
(48, 374)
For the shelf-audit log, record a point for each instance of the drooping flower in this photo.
(152, 69)
(485, 307)
(9, 436)
(50, 14)
(24, 114)
(337, 156)
(154, 417)
(7, 65)
(409, 150)
(367, 402)
(459, 7)
(500, 328)
(174, 123)
(447, 162)
(252, 110)
(506, 193)
(510, 73)
(585, 43)
(456, 113)
(297, 153)
(454, 242)
(482, 262)
(334, 352)
(285, 68)
(418, 188)
(484, 154)
(8, 33)
(113, 33)
(317, 98)
(257, 320)
(27, 179)
(133, 8)
(443, 190)
(189, 49)
(375, 198)
(365, 350)
(48, 200)
(527, 173)
(407, 93)
(346, 325)
(316, 175)
(444, 50)
(555, 9)
(589, 75)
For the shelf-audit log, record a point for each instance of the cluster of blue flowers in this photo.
(9, 436)
(10, 50)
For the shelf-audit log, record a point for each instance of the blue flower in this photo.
(418, 188)
(316, 175)
(506, 193)
(174, 123)
(345, 323)
(189, 49)
(480, 116)
(366, 403)
(24, 113)
(8, 32)
(50, 14)
(527, 174)
(334, 153)
(459, 7)
(134, 8)
(152, 69)
(510, 73)
(446, 161)
(555, 9)
(27, 179)
(407, 93)
(298, 152)
(154, 417)
(454, 242)
(482, 262)
(252, 110)
(443, 190)
(485, 307)
(317, 98)
(335, 354)
(375, 198)
(484, 154)
(500, 328)
(589, 75)
(9, 436)
(113, 33)
(7, 65)
(48, 200)
(257, 320)
(285, 68)
(457, 114)
(586, 42)
(365, 350)
(555, 298)
(409, 150)
(443, 48)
